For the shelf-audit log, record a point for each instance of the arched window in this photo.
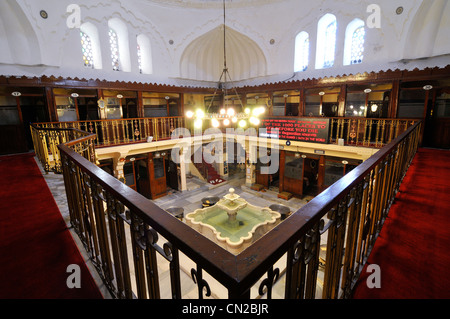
(326, 41)
(120, 46)
(354, 42)
(86, 49)
(90, 46)
(301, 52)
(358, 45)
(114, 45)
(139, 54)
(144, 54)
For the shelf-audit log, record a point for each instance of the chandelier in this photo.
(226, 116)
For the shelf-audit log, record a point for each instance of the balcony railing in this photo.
(124, 131)
(366, 131)
(105, 132)
(319, 249)
(353, 131)
(46, 140)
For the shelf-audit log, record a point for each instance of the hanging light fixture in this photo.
(226, 115)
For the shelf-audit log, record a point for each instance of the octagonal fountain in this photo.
(232, 222)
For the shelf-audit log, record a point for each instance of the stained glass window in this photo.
(139, 54)
(114, 44)
(301, 52)
(305, 54)
(86, 49)
(330, 44)
(358, 45)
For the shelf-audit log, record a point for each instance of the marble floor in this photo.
(189, 200)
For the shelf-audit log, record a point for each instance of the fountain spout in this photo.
(232, 204)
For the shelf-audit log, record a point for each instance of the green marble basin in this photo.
(233, 223)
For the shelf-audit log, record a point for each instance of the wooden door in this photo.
(437, 123)
(292, 174)
(12, 134)
(157, 174)
(172, 174)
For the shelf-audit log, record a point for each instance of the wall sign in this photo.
(304, 129)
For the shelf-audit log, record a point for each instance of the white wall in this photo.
(49, 47)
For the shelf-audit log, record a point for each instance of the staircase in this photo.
(208, 171)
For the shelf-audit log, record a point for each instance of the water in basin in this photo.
(234, 230)
(232, 222)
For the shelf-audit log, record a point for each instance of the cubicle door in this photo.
(12, 134)
(172, 174)
(157, 173)
(437, 123)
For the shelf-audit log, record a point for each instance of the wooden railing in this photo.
(370, 132)
(46, 136)
(124, 131)
(46, 141)
(131, 240)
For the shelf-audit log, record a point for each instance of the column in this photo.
(182, 170)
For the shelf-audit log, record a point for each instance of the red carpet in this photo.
(413, 247)
(35, 245)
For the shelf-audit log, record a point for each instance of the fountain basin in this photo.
(232, 229)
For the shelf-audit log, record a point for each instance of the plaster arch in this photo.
(245, 59)
(428, 32)
(19, 36)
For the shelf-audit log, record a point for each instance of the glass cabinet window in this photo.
(161, 104)
(286, 103)
(158, 167)
(330, 102)
(411, 103)
(212, 103)
(442, 107)
(66, 109)
(9, 115)
(293, 167)
(113, 108)
(322, 101)
(194, 101)
(128, 171)
(356, 104)
(368, 100)
(312, 105)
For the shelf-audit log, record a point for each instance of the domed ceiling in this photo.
(203, 58)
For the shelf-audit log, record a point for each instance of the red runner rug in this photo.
(35, 245)
(413, 247)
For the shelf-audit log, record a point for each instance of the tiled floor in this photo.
(190, 200)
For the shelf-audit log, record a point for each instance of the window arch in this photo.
(86, 49)
(90, 45)
(354, 42)
(119, 43)
(144, 54)
(326, 41)
(114, 45)
(301, 51)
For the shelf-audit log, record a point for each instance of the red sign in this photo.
(313, 130)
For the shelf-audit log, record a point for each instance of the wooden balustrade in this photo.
(366, 131)
(129, 238)
(46, 140)
(46, 136)
(124, 131)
